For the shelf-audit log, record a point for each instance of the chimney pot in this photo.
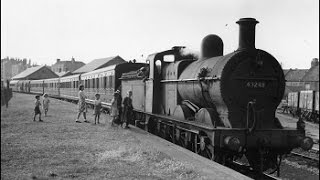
(247, 33)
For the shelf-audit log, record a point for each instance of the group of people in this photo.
(121, 112)
(45, 106)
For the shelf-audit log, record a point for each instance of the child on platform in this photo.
(97, 108)
(37, 108)
(45, 103)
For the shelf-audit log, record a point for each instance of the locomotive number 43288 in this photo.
(256, 84)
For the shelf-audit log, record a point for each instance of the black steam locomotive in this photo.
(220, 106)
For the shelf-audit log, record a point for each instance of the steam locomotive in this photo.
(219, 106)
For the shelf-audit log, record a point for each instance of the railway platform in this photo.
(59, 148)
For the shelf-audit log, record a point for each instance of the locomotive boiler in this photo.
(220, 106)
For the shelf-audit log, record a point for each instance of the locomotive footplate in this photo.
(236, 139)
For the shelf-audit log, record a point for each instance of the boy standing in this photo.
(97, 108)
(45, 102)
(37, 108)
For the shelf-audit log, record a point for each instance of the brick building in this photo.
(302, 79)
(65, 67)
(12, 66)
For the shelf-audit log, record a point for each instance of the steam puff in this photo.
(190, 52)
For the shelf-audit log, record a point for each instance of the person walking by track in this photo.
(127, 110)
(82, 104)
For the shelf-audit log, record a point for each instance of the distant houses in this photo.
(302, 79)
(64, 68)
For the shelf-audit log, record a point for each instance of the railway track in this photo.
(246, 170)
(310, 158)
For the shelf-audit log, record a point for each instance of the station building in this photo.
(99, 63)
(34, 73)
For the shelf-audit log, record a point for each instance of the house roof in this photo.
(285, 71)
(312, 74)
(68, 62)
(295, 74)
(27, 72)
(62, 74)
(100, 63)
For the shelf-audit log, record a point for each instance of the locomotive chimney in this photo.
(211, 46)
(247, 33)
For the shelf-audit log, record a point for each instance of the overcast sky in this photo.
(44, 30)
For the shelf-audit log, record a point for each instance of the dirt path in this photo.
(59, 148)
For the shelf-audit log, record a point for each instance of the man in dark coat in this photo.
(127, 110)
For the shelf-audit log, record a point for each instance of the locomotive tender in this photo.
(220, 106)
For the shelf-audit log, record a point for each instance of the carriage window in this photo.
(105, 82)
(97, 82)
(158, 65)
(168, 58)
(86, 83)
(110, 81)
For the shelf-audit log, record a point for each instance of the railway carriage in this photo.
(14, 85)
(51, 87)
(69, 86)
(36, 86)
(105, 81)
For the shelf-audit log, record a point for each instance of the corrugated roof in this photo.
(295, 74)
(27, 72)
(99, 63)
(312, 74)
